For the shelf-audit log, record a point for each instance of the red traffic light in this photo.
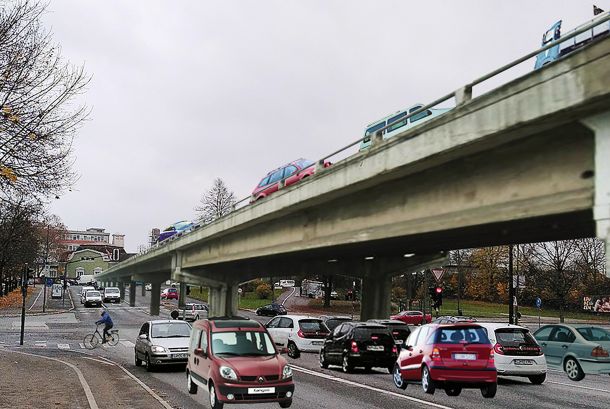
(439, 290)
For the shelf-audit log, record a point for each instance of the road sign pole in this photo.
(24, 292)
(538, 317)
(44, 295)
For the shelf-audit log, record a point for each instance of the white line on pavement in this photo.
(290, 295)
(82, 346)
(98, 360)
(128, 344)
(579, 386)
(63, 346)
(34, 303)
(371, 388)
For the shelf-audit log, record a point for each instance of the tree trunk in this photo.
(561, 312)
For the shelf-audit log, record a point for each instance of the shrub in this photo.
(263, 291)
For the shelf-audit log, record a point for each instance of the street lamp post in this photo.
(24, 292)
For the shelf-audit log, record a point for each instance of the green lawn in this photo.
(249, 301)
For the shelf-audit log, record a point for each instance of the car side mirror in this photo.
(143, 336)
(200, 352)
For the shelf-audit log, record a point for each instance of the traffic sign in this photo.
(49, 282)
(538, 302)
(438, 273)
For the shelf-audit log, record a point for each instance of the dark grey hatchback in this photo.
(359, 344)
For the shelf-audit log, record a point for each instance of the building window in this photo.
(80, 271)
(97, 270)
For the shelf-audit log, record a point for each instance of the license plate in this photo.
(180, 356)
(375, 348)
(523, 362)
(256, 391)
(317, 342)
(465, 357)
(399, 342)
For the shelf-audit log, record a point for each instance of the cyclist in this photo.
(107, 321)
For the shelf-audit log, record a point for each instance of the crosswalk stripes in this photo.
(68, 346)
(128, 344)
(82, 346)
(63, 346)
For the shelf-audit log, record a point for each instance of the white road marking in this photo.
(572, 385)
(81, 378)
(40, 344)
(294, 289)
(63, 346)
(82, 346)
(128, 344)
(98, 360)
(371, 388)
(34, 303)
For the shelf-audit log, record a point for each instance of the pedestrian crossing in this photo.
(63, 346)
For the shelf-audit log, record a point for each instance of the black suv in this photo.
(333, 321)
(361, 344)
(271, 310)
(400, 330)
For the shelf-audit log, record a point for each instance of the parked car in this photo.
(333, 321)
(112, 294)
(235, 360)
(148, 287)
(516, 352)
(576, 349)
(297, 333)
(412, 317)
(400, 330)
(83, 291)
(93, 298)
(453, 319)
(363, 344)
(162, 342)
(286, 175)
(180, 227)
(271, 310)
(193, 312)
(452, 357)
(169, 294)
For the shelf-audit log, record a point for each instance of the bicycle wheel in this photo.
(90, 341)
(114, 339)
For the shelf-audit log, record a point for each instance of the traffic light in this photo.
(438, 299)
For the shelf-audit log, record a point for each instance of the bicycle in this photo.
(92, 340)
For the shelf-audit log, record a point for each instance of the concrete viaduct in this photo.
(528, 161)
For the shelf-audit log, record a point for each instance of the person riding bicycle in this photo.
(107, 321)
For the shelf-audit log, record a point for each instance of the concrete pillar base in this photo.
(182, 295)
(143, 289)
(155, 299)
(222, 301)
(132, 294)
(122, 290)
(376, 291)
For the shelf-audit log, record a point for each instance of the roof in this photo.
(167, 322)
(496, 325)
(301, 317)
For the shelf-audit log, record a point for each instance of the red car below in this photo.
(412, 317)
(169, 294)
(451, 357)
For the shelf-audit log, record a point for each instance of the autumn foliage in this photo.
(13, 299)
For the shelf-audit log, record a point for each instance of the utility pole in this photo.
(511, 288)
(24, 292)
(44, 284)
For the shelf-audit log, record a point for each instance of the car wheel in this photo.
(427, 384)
(149, 365)
(293, 351)
(537, 379)
(368, 368)
(214, 402)
(453, 390)
(190, 385)
(347, 367)
(573, 369)
(489, 390)
(398, 381)
(323, 363)
(286, 404)
(138, 361)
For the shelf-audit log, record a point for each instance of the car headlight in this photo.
(227, 373)
(157, 348)
(287, 372)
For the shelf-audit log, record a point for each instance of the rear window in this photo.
(112, 290)
(454, 335)
(594, 334)
(379, 334)
(312, 326)
(93, 293)
(171, 290)
(335, 322)
(514, 337)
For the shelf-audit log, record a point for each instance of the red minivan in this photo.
(235, 360)
(452, 357)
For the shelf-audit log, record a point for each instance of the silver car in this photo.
(193, 312)
(162, 342)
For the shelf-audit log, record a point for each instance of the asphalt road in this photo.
(315, 387)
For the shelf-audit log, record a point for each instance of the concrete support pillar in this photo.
(376, 291)
(223, 300)
(132, 294)
(600, 124)
(182, 295)
(143, 289)
(122, 290)
(155, 299)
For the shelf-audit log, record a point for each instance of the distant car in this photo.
(148, 287)
(451, 357)
(183, 226)
(193, 312)
(112, 294)
(576, 349)
(516, 352)
(286, 175)
(412, 317)
(297, 333)
(162, 342)
(400, 330)
(453, 319)
(169, 294)
(363, 344)
(271, 310)
(332, 321)
(93, 298)
(83, 291)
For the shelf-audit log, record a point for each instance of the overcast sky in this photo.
(186, 91)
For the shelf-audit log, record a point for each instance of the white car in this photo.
(83, 291)
(93, 298)
(297, 333)
(516, 351)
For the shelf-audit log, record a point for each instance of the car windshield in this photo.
(93, 293)
(594, 334)
(171, 330)
(242, 343)
(514, 337)
(462, 335)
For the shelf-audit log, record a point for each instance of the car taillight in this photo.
(394, 349)
(355, 347)
(490, 361)
(498, 349)
(300, 334)
(599, 352)
(436, 354)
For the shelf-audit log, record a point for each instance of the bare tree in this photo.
(591, 258)
(216, 202)
(38, 114)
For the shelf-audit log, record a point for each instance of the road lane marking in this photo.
(63, 346)
(128, 344)
(82, 346)
(99, 360)
(579, 386)
(368, 387)
(81, 378)
(34, 303)
(294, 289)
